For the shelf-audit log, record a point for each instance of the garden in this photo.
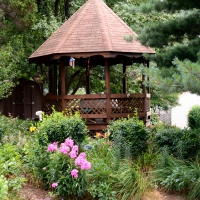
(127, 161)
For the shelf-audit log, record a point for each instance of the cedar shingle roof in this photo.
(93, 28)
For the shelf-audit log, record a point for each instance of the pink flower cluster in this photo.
(71, 150)
(54, 185)
(81, 162)
(53, 147)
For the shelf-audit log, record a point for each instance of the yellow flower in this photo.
(32, 129)
(98, 135)
(106, 135)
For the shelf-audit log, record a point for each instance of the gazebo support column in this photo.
(50, 79)
(148, 88)
(55, 79)
(107, 80)
(88, 77)
(62, 80)
(124, 79)
(144, 90)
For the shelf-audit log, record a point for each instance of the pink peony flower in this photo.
(74, 173)
(72, 154)
(52, 147)
(78, 161)
(75, 148)
(44, 168)
(69, 142)
(82, 155)
(85, 165)
(64, 148)
(54, 185)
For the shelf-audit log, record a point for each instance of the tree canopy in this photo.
(172, 27)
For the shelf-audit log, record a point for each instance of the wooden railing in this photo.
(95, 105)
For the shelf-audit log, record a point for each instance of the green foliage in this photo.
(112, 177)
(194, 117)
(130, 181)
(36, 158)
(20, 13)
(180, 143)
(3, 188)
(171, 173)
(11, 168)
(59, 126)
(103, 164)
(17, 48)
(189, 74)
(176, 175)
(133, 132)
(60, 167)
(11, 130)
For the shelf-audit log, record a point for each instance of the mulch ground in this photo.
(31, 192)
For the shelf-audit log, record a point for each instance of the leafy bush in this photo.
(59, 126)
(177, 175)
(194, 117)
(11, 168)
(180, 143)
(130, 182)
(103, 167)
(11, 129)
(112, 177)
(36, 158)
(66, 169)
(3, 188)
(131, 131)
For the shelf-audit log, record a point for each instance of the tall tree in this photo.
(172, 28)
(177, 37)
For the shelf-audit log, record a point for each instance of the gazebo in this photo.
(93, 36)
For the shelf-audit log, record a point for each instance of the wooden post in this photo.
(144, 91)
(62, 80)
(55, 79)
(107, 80)
(143, 86)
(41, 84)
(88, 77)
(124, 78)
(50, 79)
(66, 79)
(148, 88)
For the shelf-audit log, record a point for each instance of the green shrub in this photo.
(3, 188)
(36, 158)
(59, 126)
(111, 177)
(171, 173)
(14, 130)
(180, 143)
(177, 175)
(132, 133)
(11, 167)
(103, 167)
(194, 117)
(130, 182)
(67, 168)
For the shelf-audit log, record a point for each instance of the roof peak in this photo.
(94, 27)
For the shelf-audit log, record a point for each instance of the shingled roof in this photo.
(94, 28)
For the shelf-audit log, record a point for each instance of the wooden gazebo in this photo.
(94, 35)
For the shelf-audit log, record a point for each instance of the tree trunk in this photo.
(56, 7)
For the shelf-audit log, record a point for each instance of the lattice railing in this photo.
(128, 105)
(87, 106)
(94, 105)
(48, 104)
